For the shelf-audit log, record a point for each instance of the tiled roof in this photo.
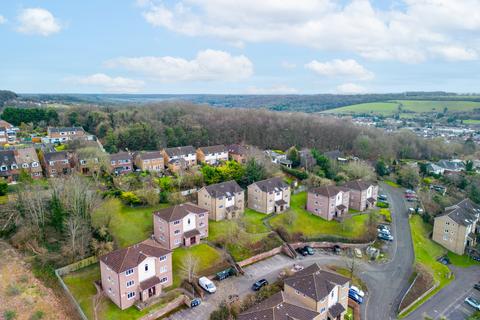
(271, 184)
(65, 129)
(7, 157)
(358, 185)
(130, 257)
(278, 308)
(213, 149)
(120, 156)
(464, 213)
(191, 233)
(180, 151)
(149, 155)
(315, 282)
(224, 189)
(147, 284)
(55, 156)
(237, 149)
(179, 211)
(328, 191)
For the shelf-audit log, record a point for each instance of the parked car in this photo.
(385, 231)
(473, 302)
(337, 249)
(357, 291)
(410, 191)
(386, 237)
(444, 260)
(302, 251)
(411, 210)
(476, 286)
(207, 285)
(383, 227)
(195, 302)
(355, 297)
(382, 197)
(309, 250)
(259, 284)
(357, 252)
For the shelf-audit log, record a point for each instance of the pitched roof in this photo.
(149, 155)
(237, 149)
(277, 308)
(6, 124)
(451, 165)
(26, 155)
(213, 149)
(64, 129)
(358, 185)
(464, 213)
(55, 156)
(271, 184)
(334, 154)
(180, 151)
(7, 157)
(315, 282)
(328, 191)
(224, 189)
(130, 257)
(179, 211)
(120, 156)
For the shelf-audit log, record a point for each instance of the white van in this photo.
(207, 285)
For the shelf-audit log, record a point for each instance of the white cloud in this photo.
(350, 88)
(454, 53)
(279, 89)
(37, 21)
(110, 84)
(408, 32)
(3, 19)
(340, 68)
(208, 65)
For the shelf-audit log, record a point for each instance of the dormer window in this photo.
(3, 168)
(34, 164)
(188, 221)
(51, 163)
(24, 165)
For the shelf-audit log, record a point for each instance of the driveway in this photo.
(386, 283)
(449, 301)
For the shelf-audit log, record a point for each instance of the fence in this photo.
(407, 308)
(71, 268)
(177, 302)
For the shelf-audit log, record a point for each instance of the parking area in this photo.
(459, 310)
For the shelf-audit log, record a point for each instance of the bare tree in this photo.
(189, 267)
(78, 235)
(31, 202)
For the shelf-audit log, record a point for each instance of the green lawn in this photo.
(210, 260)
(81, 286)
(255, 231)
(463, 261)
(392, 184)
(386, 213)
(314, 227)
(414, 106)
(128, 225)
(426, 254)
(471, 121)
(3, 199)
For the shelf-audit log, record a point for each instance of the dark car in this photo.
(444, 260)
(195, 302)
(355, 297)
(309, 250)
(302, 251)
(259, 284)
(337, 249)
(384, 236)
(476, 286)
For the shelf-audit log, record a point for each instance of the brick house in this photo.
(363, 194)
(27, 160)
(188, 154)
(321, 290)
(64, 134)
(328, 202)
(457, 228)
(7, 135)
(183, 224)
(136, 273)
(121, 163)
(57, 163)
(150, 161)
(311, 294)
(176, 165)
(213, 154)
(224, 200)
(238, 153)
(8, 165)
(270, 195)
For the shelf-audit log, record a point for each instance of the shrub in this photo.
(37, 315)
(13, 290)
(299, 174)
(3, 187)
(383, 205)
(130, 198)
(9, 315)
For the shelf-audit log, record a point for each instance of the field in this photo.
(426, 254)
(410, 106)
(254, 235)
(314, 227)
(128, 225)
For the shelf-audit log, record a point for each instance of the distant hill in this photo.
(303, 103)
(6, 95)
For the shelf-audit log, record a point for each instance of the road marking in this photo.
(446, 311)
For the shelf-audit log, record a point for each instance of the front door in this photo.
(151, 292)
(193, 240)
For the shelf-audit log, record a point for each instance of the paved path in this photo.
(386, 282)
(449, 301)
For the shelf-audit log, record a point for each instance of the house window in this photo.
(220, 206)
(129, 272)
(176, 222)
(130, 283)
(201, 215)
(4, 168)
(177, 241)
(163, 269)
(130, 295)
(188, 221)
(34, 164)
(146, 267)
(164, 279)
(177, 231)
(163, 258)
(51, 163)
(323, 310)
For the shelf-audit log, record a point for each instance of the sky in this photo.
(239, 47)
